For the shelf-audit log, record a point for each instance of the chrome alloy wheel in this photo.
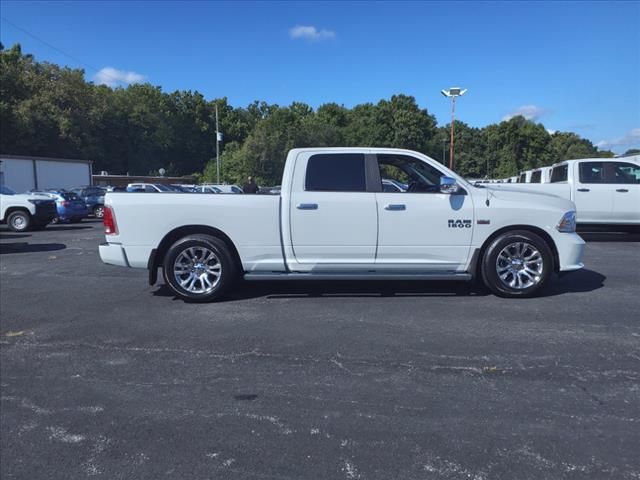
(197, 270)
(519, 265)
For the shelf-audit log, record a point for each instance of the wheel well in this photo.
(10, 210)
(180, 232)
(538, 231)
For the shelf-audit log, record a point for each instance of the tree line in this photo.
(49, 110)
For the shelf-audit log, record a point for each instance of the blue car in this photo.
(93, 197)
(70, 207)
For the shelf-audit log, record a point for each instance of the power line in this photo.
(75, 59)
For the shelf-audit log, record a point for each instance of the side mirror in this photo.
(449, 185)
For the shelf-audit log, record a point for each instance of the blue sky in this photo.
(572, 66)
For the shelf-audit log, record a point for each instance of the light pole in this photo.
(218, 138)
(452, 93)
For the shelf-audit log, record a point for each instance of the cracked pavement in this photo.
(103, 376)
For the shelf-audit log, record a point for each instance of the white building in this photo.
(24, 173)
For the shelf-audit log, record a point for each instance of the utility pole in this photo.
(217, 148)
(452, 93)
(444, 151)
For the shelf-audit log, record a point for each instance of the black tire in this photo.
(229, 271)
(508, 242)
(19, 221)
(98, 211)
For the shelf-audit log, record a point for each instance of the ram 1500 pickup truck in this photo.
(606, 191)
(334, 220)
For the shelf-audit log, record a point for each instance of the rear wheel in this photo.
(517, 264)
(98, 211)
(199, 268)
(19, 221)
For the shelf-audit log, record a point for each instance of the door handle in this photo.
(622, 190)
(583, 189)
(307, 206)
(395, 206)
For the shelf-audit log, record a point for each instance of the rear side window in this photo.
(559, 174)
(523, 178)
(336, 172)
(592, 172)
(536, 176)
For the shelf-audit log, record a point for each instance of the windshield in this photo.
(6, 191)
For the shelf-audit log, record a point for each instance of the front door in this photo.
(419, 227)
(625, 180)
(593, 196)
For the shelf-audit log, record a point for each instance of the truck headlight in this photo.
(567, 223)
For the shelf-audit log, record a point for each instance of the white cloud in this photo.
(550, 131)
(530, 112)
(309, 32)
(113, 77)
(631, 139)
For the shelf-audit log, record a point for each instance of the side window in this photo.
(624, 173)
(591, 172)
(149, 188)
(408, 174)
(336, 172)
(536, 177)
(559, 174)
(523, 178)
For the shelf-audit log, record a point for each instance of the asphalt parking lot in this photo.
(104, 376)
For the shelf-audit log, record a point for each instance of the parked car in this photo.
(541, 175)
(182, 188)
(206, 189)
(93, 197)
(224, 188)
(23, 212)
(393, 186)
(70, 207)
(606, 191)
(147, 187)
(334, 221)
(270, 190)
(117, 188)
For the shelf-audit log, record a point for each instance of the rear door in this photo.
(333, 218)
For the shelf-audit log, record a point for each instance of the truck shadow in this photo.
(580, 281)
(23, 247)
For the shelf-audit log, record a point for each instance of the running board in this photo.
(357, 276)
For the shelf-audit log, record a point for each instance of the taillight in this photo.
(109, 221)
(65, 203)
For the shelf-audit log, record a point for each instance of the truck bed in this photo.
(144, 219)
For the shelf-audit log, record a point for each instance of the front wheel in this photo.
(19, 221)
(517, 264)
(199, 268)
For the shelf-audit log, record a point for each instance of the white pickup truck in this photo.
(23, 211)
(333, 220)
(606, 191)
